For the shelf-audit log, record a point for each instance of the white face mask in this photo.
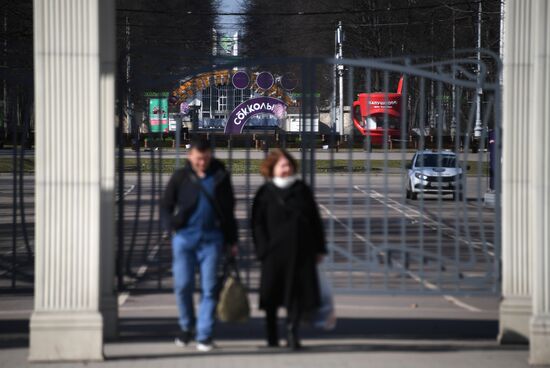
(285, 182)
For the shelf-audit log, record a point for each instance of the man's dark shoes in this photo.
(273, 343)
(184, 338)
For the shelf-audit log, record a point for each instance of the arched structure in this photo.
(214, 95)
(189, 87)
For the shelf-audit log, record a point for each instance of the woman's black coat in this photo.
(288, 237)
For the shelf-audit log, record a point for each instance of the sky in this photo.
(229, 24)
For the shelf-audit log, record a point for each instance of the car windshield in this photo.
(431, 160)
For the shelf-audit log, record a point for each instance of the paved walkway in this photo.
(318, 353)
(372, 331)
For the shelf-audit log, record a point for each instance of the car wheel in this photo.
(410, 194)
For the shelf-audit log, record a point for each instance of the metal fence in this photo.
(382, 238)
(16, 185)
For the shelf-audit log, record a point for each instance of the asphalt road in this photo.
(379, 241)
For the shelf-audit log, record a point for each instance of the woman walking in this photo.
(289, 242)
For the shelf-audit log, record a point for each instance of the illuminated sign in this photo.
(243, 112)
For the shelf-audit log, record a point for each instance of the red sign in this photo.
(379, 103)
(372, 112)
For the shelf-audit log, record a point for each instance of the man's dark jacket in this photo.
(182, 195)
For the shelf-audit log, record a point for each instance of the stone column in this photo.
(539, 180)
(515, 308)
(71, 121)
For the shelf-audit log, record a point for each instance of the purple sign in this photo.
(240, 80)
(265, 80)
(184, 108)
(289, 81)
(247, 109)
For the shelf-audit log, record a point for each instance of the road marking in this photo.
(411, 274)
(448, 229)
(449, 298)
(414, 214)
(329, 212)
(461, 304)
(358, 236)
(128, 191)
(122, 297)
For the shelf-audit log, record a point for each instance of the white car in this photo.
(434, 173)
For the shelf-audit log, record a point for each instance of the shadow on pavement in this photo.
(384, 335)
(155, 329)
(14, 333)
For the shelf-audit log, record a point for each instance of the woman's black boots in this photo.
(272, 328)
(292, 325)
(293, 340)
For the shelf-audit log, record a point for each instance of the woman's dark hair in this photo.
(266, 169)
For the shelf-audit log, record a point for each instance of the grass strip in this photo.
(238, 166)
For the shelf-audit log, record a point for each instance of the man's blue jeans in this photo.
(188, 251)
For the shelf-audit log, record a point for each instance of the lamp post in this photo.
(478, 128)
(340, 68)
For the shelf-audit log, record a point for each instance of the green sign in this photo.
(158, 114)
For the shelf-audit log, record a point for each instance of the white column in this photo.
(540, 186)
(71, 122)
(515, 308)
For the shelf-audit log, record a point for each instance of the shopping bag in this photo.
(324, 317)
(233, 305)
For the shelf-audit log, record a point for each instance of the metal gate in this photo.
(16, 183)
(380, 239)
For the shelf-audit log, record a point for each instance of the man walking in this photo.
(198, 210)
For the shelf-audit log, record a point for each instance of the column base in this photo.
(66, 336)
(109, 311)
(539, 345)
(515, 314)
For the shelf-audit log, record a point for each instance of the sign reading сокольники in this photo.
(240, 115)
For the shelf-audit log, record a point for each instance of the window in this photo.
(431, 160)
(221, 98)
(241, 95)
(377, 122)
(206, 99)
